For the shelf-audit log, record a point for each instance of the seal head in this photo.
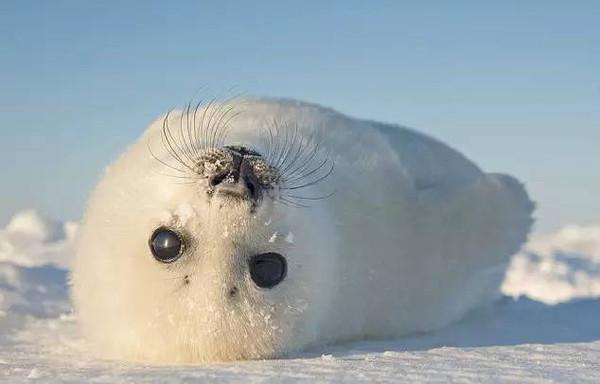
(208, 258)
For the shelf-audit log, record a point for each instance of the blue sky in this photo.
(515, 85)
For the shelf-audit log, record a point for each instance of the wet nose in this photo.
(242, 178)
(238, 178)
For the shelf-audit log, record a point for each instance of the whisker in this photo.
(201, 126)
(198, 131)
(302, 145)
(312, 197)
(225, 130)
(304, 172)
(189, 138)
(163, 162)
(177, 176)
(289, 148)
(319, 179)
(221, 128)
(211, 127)
(185, 144)
(291, 203)
(167, 139)
(197, 143)
(297, 160)
(281, 145)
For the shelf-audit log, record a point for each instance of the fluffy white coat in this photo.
(413, 237)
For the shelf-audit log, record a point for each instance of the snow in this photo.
(557, 267)
(544, 329)
(31, 240)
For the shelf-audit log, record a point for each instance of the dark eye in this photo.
(166, 245)
(268, 269)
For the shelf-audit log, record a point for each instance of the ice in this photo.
(544, 330)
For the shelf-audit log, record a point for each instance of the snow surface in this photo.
(546, 328)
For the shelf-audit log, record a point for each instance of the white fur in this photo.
(414, 236)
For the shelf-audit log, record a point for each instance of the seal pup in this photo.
(258, 228)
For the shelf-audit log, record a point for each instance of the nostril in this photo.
(251, 187)
(217, 179)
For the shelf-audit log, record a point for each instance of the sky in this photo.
(514, 85)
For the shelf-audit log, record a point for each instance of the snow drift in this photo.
(557, 267)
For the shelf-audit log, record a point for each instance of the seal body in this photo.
(199, 246)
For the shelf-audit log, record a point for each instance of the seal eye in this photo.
(166, 245)
(268, 269)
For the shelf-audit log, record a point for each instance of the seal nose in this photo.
(239, 179)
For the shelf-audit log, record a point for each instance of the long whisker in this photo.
(163, 162)
(197, 143)
(304, 163)
(312, 197)
(304, 172)
(302, 144)
(167, 140)
(198, 132)
(185, 144)
(291, 203)
(319, 179)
